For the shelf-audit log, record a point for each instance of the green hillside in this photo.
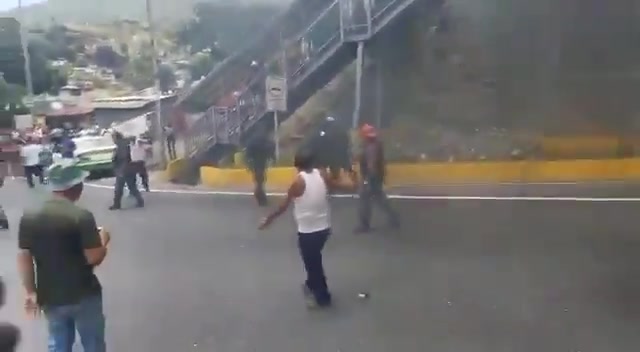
(167, 12)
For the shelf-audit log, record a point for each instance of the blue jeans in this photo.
(86, 316)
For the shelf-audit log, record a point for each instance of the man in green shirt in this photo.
(60, 245)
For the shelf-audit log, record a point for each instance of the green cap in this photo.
(64, 174)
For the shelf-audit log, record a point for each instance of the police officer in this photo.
(259, 151)
(125, 172)
(331, 147)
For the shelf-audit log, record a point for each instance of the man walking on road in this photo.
(60, 245)
(138, 161)
(309, 195)
(125, 173)
(30, 154)
(372, 171)
(171, 141)
(258, 153)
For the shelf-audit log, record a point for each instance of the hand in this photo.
(31, 305)
(265, 223)
(105, 236)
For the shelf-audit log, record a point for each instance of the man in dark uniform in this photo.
(331, 147)
(372, 172)
(125, 172)
(258, 153)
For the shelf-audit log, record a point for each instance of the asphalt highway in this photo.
(192, 273)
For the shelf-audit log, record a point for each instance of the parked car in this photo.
(95, 154)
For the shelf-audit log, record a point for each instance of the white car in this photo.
(95, 154)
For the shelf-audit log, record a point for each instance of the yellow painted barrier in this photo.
(577, 146)
(214, 177)
(174, 169)
(458, 172)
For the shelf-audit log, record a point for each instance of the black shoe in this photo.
(114, 207)
(147, 189)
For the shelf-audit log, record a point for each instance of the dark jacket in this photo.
(122, 158)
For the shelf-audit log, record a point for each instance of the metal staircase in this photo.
(310, 59)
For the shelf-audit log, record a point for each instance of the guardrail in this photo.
(302, 55)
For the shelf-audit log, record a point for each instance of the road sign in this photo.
(276, 93)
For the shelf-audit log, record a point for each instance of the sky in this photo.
(10, 4)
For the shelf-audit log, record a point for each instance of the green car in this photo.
(95, 154)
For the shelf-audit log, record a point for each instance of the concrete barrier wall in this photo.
(463, 172)
(174, 169)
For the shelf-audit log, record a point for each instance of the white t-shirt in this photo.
(30, 154)
(311, 209)
(138, 152)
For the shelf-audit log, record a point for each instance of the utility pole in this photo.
(25, 52)
(154, 53)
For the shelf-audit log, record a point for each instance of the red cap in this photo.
(368, 131)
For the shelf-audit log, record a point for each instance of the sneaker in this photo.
(114, 207)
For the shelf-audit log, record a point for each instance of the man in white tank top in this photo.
(309, 194)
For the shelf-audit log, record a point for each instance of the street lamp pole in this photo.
(154, 54)
(25, 52)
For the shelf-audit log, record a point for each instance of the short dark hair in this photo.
(303, 160)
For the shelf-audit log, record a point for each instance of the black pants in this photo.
(171, 147)
(370, 192)
(311, 245)
(130, 181)
(34, 170)
(141, 170)
(259, 177)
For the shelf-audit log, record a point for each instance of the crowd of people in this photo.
(60, 243)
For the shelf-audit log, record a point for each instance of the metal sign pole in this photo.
(276, 126)
(159, 121)
(25, 52)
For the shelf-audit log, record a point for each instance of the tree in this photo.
(200, 65)
(139, 72)
(105, 56)
(215, 26)
(11, 98)
(166, 78)
(43, 76)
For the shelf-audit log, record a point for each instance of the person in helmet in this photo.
(331, 146)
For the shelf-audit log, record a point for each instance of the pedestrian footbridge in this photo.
(309, 44)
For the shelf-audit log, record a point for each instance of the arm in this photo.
(336, 185)
(25, 259)
(94, 250)
(295, 190)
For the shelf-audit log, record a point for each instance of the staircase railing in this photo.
(286, 25)
(302, 55)
(311, 44)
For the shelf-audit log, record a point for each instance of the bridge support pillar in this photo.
(359, 75)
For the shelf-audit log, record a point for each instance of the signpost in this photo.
(276, 102)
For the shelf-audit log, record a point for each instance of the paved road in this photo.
(191, 273)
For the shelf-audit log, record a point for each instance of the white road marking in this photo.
(409, 197)
(397, 196)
